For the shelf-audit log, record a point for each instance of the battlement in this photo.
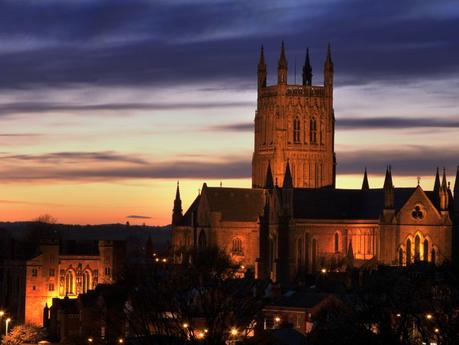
(293, 90)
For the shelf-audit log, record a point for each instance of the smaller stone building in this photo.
(57, 269)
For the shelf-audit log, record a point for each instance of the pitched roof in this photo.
(328, 203)
(236, 204)
(186, 219)
(299, 299)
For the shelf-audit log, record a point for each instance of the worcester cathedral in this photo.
(294, 220)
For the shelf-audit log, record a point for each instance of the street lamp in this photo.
(7, 321)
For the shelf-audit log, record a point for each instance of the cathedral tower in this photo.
(295, 124)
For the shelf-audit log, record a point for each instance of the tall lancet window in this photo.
(296, 130)
(70, 283)
(408, 251)
(313, 131)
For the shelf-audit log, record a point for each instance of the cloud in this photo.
(8, 135)
(395, 123)
(112, 166)
(236, 127)
(71, 158)
(134, 216)
(175, 43)
(7, 109)
(405, 160)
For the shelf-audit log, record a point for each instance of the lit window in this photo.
(70, 283)
(107, 271)
(313, 131)
(417, 213)
(34, 272)
(237, 246)
(296, 130)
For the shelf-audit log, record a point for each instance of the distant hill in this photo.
(136, 236)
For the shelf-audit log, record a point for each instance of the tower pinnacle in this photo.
(282, 67)
(307, 70)
(177, 211)
(365, 184)
(262, 74)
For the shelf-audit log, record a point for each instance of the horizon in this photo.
(104, 106)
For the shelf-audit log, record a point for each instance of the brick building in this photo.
(294, 220)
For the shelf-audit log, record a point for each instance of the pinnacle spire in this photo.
(177, 211)
(307, 70)
(261, 62)
(388, 179)
(437, 181)
(269, 182)
(288, 180)
(365, 184)
(329, 60)
(282, 59)
(443, 181)
(456, 183)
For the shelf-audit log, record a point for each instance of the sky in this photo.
(105, 105)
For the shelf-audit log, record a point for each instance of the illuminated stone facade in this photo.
(295, 124)
(56, 272)
(294, 221)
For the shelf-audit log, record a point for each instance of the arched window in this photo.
(313, 131)
(425, 250)
(400, 256)
(417, 248)
(70, 283)
(314, 254)
(408, 251)
(307, 244)
(237, 246)
(433, 256)
(86, 281)
(336, 242)
(299, 252)
(321, 133)
(296, 130)
(202, 241)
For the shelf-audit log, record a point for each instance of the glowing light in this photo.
(206, 331)
(164, 260)
(201, 335)
(277, 319)
(120, 341)
(242, 267)
(323, 270)
(185, 325)
(398, 315)
(157, 260)
(2, 313)
(436, 330)
(90, 340)
(429, 316)
(234, 331)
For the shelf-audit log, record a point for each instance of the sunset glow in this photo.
(100, 121)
